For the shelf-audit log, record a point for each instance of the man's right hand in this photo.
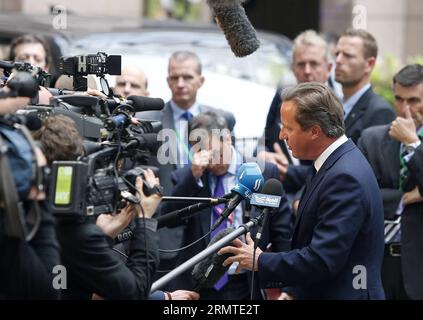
(200, 161)
(278, 158)
(113, 225)
(184, 295)
(285, 296)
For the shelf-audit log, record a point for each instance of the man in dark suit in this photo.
(213, 173)
(184, 80)
(396, 154)
(337, 244)
(356, 54)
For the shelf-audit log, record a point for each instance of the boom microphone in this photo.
(141, 103)
(250, 180)
(207, 272)
(239, 32)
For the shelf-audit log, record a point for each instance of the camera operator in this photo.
(87, 245)
(27, 258)
(33, 49)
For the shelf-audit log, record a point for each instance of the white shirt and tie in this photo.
(180, 121)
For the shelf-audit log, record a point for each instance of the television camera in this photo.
(117, 146)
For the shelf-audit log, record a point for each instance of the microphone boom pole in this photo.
(211, 201)
(243, 229)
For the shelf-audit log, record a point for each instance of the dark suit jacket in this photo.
(171, 238)
(26, 268)
(383, 153)
(339, 227)
(369, 111)
(278, 229)
(93, 267)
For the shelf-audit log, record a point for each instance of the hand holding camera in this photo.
(149, 204)
(113, 225)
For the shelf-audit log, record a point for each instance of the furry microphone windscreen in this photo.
(207, 272)
(239, 32)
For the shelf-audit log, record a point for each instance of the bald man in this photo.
(132, 81)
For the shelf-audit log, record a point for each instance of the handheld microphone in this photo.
(207, 272)
(269, 199)
(239, 32)
(249, 179)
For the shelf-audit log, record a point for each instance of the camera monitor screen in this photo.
(63, 190)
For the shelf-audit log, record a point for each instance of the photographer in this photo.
(27, 257)
(87, 245)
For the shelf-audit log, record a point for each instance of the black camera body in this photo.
(78, 189)
(75, 192)
(41, 77)
(98, 64)
(119, 147)
(104, 180)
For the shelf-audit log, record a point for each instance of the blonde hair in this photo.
(312, 38)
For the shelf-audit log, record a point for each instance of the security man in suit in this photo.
(395, 152)
(356, 54)
(184, 79)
